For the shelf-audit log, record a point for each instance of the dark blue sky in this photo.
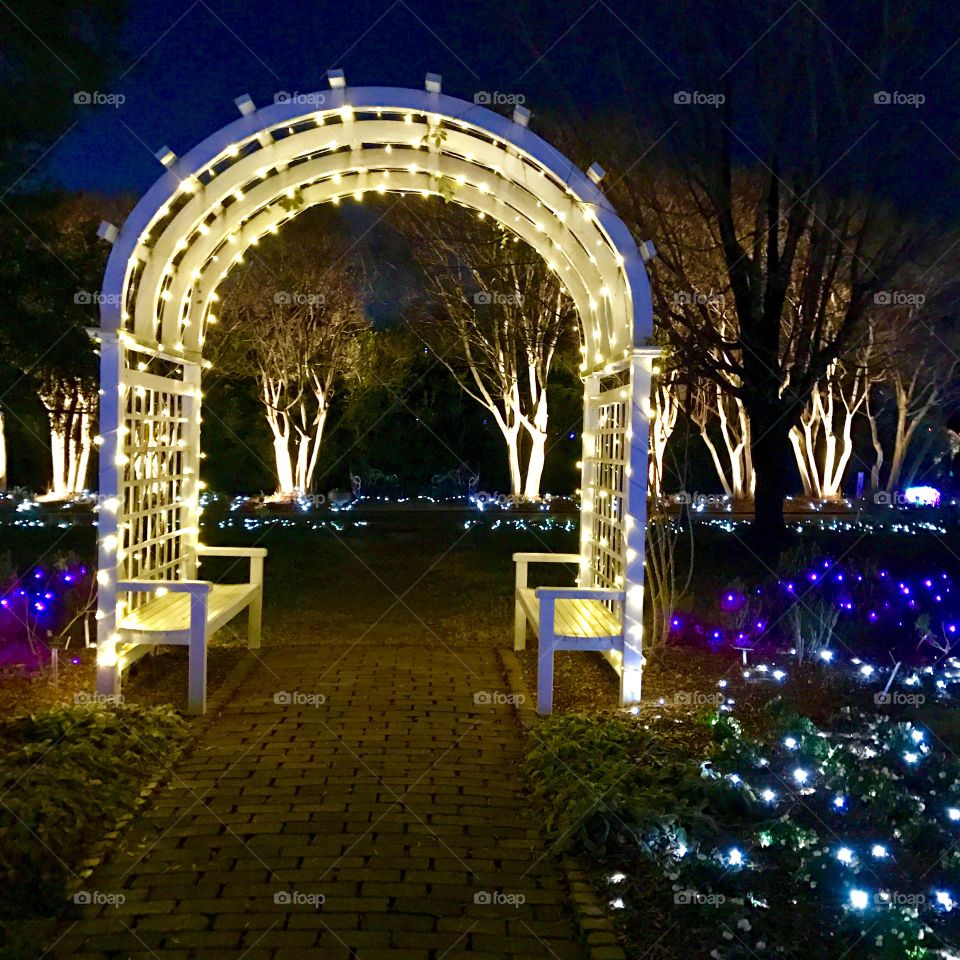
(184, 62)
(181, 63)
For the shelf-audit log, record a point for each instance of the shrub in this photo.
(66, 775)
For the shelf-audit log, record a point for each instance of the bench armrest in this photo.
(523, 560)
(255, 555)
(551, 594)
(170, 586)
(546, 558)
(203, 551)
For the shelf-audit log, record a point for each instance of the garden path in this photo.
(384, 780)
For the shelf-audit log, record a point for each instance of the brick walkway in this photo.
(383, 786)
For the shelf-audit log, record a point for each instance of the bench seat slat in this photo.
(574, 618)
(171, 612)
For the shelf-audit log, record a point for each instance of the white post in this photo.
(591, 418)
(191, 469)
(112, 394)
(635, 512)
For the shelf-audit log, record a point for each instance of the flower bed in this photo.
(801, 842)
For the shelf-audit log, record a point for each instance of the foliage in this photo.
(66, 776)
(809, 840)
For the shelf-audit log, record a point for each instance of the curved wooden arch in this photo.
(334, 144)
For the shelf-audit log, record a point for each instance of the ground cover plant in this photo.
(838, 840)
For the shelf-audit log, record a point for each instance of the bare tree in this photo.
(772, 179)
(505, 313)
(823, 442)
(290, 319)
(917, 389)
(666, 400)
(71, 405)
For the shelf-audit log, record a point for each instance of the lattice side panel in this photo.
(154, 423)
(606, 486)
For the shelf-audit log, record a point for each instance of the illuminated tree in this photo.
(290, 320)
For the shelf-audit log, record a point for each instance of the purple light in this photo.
(38, 575)
(872, 616)
(4, 602)
(39, 607)
(68, 577)
(74, 660)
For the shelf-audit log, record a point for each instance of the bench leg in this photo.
(545, 676)
(253, 621)
(256, 608)
(197, 692)
(519, 627)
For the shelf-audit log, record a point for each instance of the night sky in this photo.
(181, 64)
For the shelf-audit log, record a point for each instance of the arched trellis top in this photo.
(249, 177)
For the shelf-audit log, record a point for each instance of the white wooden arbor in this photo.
(246, 180)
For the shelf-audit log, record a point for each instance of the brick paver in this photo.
(376, 811)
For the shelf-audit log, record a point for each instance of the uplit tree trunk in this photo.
(823, 440)
(537, 432)
(70, 441)
(666, 408)
(735, 467)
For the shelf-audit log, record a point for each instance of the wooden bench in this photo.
(564, 618)
(190, 612)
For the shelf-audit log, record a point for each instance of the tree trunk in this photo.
(538, 449)
(772, 457)
(58, 461)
